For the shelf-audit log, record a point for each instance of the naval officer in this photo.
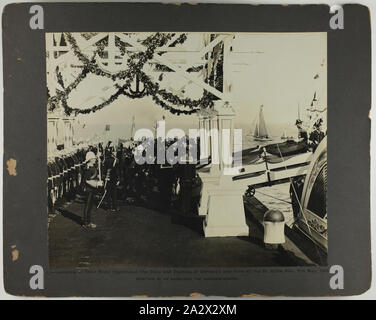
(92, 182)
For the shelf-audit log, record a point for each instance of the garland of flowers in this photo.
(151, 42)
(122, 91)
(101, 45)
(159, 96)
(162, 68)
(218, 80)
(123, 49)
(215, 78)
(59, 77)
(88, 35)
(154, 89)
(171, 109)
(68, 110)
(195, 69)
(180, 40)
(121, 45)
(91, 67)
(53, 102)
(132, 94)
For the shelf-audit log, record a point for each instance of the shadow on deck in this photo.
(144, 237)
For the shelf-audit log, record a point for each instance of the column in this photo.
(223, 201)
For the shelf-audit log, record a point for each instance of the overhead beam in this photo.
(212, 44)
(88, 44)
(182, 72)
(81, 42)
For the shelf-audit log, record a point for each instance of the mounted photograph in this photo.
(186, 149)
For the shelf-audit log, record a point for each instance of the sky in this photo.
(280, 71)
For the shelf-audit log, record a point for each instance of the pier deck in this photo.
(142, 237)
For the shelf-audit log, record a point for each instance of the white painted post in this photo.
(215, 146)
(222, 200)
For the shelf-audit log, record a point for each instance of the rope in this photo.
(288, 221)
(300, 205)
(274, 197)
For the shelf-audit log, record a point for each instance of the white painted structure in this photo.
(60, 130)
(221, 200)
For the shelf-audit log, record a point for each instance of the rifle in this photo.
(105, 186)
(100, 178)
(104, 194)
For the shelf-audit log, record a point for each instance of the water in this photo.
(277, 196)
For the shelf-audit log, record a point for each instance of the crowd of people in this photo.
(107, 175)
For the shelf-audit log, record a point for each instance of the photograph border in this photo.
(349, 98)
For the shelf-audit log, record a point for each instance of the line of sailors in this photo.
(127, 181)
(65, 169)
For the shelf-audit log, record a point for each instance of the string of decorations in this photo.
(91, 67)
(163, 68)
(215, 78)
(123, 45)
(171, 109)
(59, 77)
(154, 89)
(160, 96)
(101, 45)
(68, 110)
(53, 102)
(180, 40)
(151, 43)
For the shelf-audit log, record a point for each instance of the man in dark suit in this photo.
(302, 132)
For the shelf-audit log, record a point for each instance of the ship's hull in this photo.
(311, 217)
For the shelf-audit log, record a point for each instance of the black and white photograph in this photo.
(186, 149)
(181, 151)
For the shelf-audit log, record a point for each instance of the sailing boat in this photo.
(261, 133)
(285, 137)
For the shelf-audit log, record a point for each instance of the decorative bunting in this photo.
(135, 63)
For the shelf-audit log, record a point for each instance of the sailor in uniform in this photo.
(302, 132)
(92, 182)
(317, 134)
(61, 179)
